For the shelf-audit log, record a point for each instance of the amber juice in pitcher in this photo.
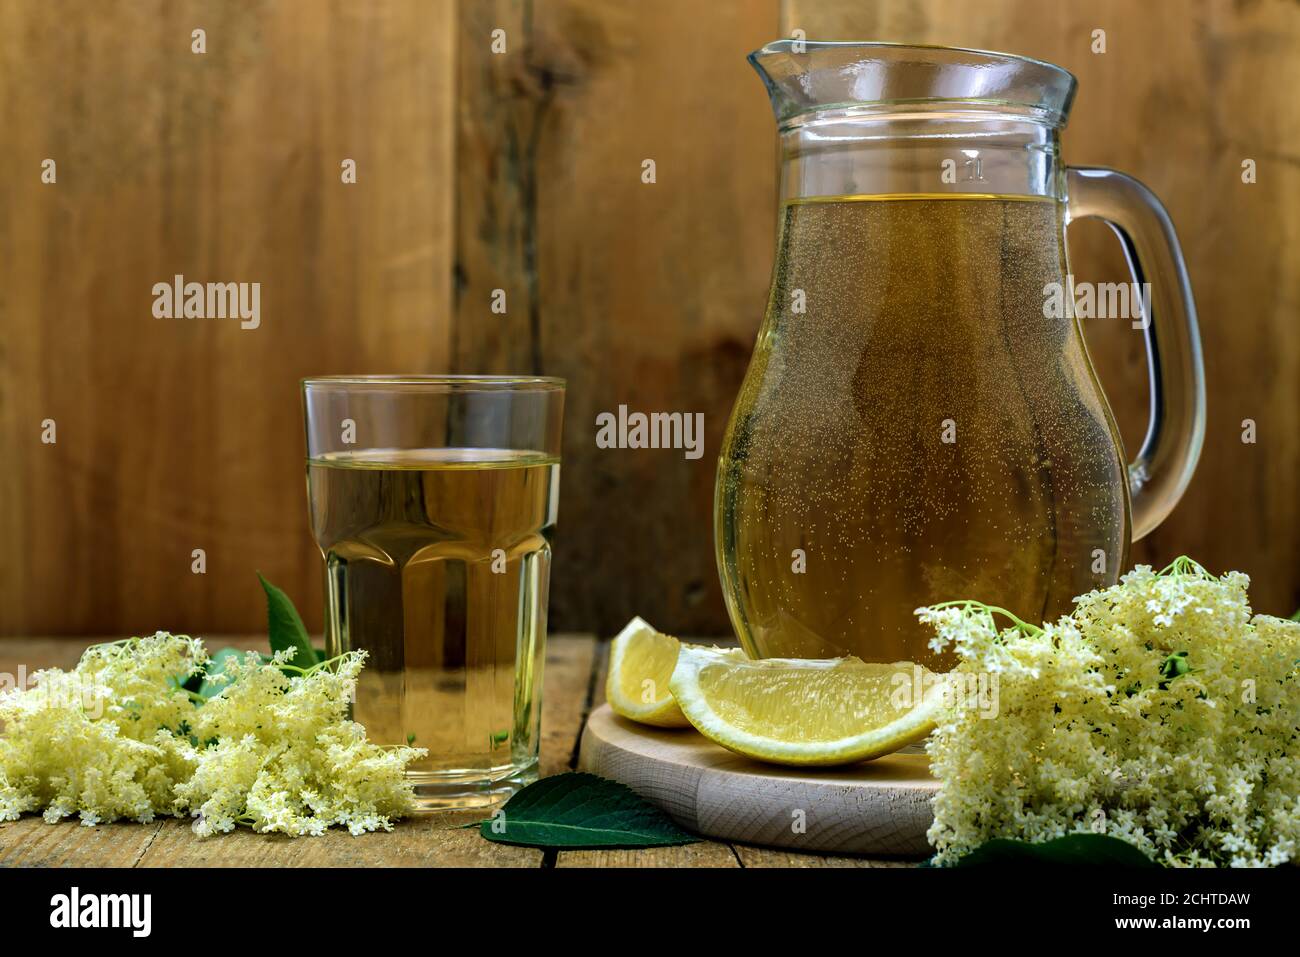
(918, 424)
(913, 429)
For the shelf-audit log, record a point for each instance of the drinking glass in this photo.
(433, 500)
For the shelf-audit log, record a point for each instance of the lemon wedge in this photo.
(641, 661)
(806, 712)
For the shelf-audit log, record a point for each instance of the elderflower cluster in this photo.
(119, 737)
(279, 754)
(98, 741)
(1158, 712)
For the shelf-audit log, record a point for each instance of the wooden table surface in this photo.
(574, 685)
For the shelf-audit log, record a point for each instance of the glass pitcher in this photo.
(920, 421)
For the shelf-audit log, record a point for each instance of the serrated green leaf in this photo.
(578, 810)
(1098, 850)
(284, 628)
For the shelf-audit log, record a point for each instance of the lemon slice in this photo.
(641, 661)
(806, 712)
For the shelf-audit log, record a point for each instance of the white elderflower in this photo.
(284, 757)
(98, 741)
(120, 737)
(1158, 712)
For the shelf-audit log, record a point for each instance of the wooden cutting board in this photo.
(881, 807)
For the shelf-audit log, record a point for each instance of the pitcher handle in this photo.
(1176, 429)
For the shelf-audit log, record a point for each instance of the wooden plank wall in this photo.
(176, 435)
(522, 171)
(640, 294)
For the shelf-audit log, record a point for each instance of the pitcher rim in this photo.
(1055, 84)
(782, 46)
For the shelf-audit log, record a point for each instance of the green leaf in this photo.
(1175, 666)
(578, 810)
(284, 628)
(1079, 849)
